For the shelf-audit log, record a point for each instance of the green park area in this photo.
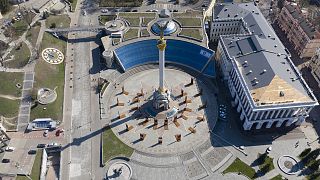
(59, 21)
(265, 163)
(120, 3)
(105, 18)
(9, 108)
(50, 76)
(137, 15)
(18, 57)
(144, 32)
(189, 22)
(32, 34)
(36, 168)
(277, 177)
(73, 4)
(8, 81)
(192, 33)
(240, 167)
(145, 21)
(310, 161)
(113, 147)
(130, 34)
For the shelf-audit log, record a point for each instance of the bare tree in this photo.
(27, 17)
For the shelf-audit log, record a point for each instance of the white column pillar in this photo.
(239, 108)
(300, 120)
(250, 117)
(279, 123)
(282, 114)
(289, 122)
(257, 114)
(289, 111)
(266, 116)
(262, 114)
(259, 125)
(242, 116)
(161, 69)
(278, 114)
(269, 124)
(247, 125)
(273, 111)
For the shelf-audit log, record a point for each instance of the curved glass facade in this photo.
(177, 51)
(171, 27)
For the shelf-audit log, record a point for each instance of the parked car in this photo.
(9, 149)
(32, 151)
(104, 10)
(52, 144)
(269, 149)
(5, 160)
(41, 145)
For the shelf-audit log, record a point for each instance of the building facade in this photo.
(301, 33)
(267, 89)
(315, 66)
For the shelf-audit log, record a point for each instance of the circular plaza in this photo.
(134, 122)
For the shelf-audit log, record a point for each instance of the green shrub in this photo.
(304, 153)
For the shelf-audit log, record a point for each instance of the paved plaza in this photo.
(188, 119)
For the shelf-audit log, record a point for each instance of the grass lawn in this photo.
(134, 22)
(239, 166)
(10, 124)
(32, 35)
(112, 146)
(20, 27)
(9, 108)
(50, 76)
(120, 3)
(145, 21)
(265, 163)
(36, 168)
(194, 33)
(189, 22)
(278, 177)
(189, 14)
(62, 21)
(20, 55)
(144, 32)
(105, 18)
(134, 14)
(8, 81)
(115, 41)
(73, 4)
(130, 34)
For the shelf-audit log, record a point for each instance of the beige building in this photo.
(267, 89)
(301, 33)
(315, 66)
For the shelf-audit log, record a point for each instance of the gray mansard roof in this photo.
(261, 58)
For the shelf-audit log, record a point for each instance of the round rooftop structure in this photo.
(115, 26)
(171, 27)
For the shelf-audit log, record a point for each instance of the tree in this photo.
(4, 6)
(53, 25)
(27, 17)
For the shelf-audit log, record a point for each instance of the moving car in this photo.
(5, 160)
(41, 145)
(104, 10)
(9, 149)
(32, 151)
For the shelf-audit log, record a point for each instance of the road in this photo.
(81, 152)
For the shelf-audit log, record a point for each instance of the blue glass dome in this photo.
(171, 27)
